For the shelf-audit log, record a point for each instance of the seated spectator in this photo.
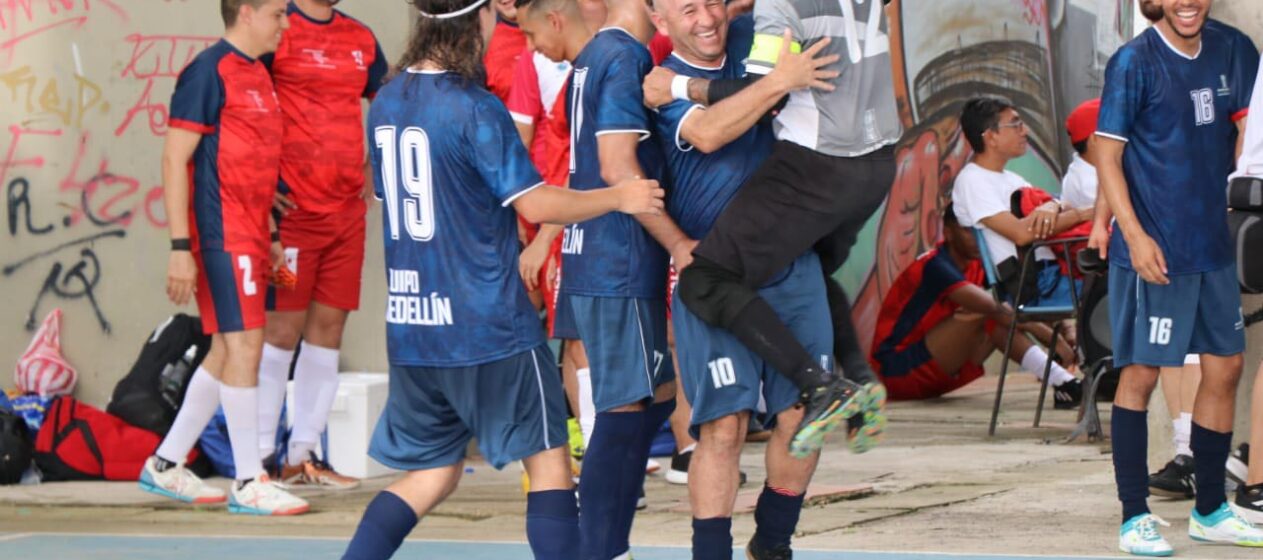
(1078, 187)
(983, 195)
(937, 324)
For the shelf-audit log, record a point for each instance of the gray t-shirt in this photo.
(860, 115)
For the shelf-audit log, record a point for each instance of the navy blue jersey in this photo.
(448, 162)
(1178, 116)
(702, 184)
(611, 256)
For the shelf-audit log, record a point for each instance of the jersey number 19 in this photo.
(407, 154)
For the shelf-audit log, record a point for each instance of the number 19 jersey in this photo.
(448, 162)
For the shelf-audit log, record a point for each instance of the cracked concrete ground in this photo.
(938, 484)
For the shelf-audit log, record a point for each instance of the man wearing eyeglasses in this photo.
(982, 198)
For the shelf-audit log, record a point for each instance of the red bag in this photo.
(41, 369)
(78, 442)
(1026, 200)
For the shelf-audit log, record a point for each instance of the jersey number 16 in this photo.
(407, 154)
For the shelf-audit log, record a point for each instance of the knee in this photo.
(281, 333)
(712, 293)
(724, 434)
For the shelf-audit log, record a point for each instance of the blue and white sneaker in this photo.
(1139, 535)
(1225, 526)
(178, 483)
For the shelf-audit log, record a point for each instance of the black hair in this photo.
(980, 115)
(949, 214)
(1081, 147)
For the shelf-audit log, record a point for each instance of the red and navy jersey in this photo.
(918, 301)
(322, 69)
(227, 97)
(506, 46)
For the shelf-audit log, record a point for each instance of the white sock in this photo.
(201, 400)
(273, 376)
(587, 407)
(241, 411)
(1183, 433)
(315, 386)
(1034, 361)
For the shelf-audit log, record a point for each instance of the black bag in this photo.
(1247, 238)
(151, 393)
(1245, 193)
(16, 448)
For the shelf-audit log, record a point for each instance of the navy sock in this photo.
(1129, 436)
(552, 524)
(386, 522)
(637, 456)
(607, 472)
(776, 516)
(1210, 454)
(712, 538)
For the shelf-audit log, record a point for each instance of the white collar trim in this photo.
(1179, 52)
(722, 61)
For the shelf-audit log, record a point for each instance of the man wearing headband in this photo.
(468, 354)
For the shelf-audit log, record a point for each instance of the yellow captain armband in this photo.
(767, 49)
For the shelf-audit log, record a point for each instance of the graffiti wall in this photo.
(84, 88)
(1043, 56)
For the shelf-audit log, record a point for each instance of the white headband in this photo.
(457, 13)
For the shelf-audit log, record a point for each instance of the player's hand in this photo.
(181, 277)
(682, 254)
(282, 203)
(804, 70)
(1147, 260)
(640, 196)
(533, 259)
(1043, 220)
(1099, 239)
(276, 255)
(657, 87)
(1065, 353)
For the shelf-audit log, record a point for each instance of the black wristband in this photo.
(276, 236)
(181, 244)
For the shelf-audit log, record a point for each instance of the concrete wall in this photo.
(84, 86)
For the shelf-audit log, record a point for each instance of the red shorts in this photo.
(231, 288)
(928, 381)
(326, 253)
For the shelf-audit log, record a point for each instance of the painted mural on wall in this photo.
(1043, 56)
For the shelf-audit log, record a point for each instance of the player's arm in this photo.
(617, 153)
(974, 299)
(1099, 239)
(1146, 256)
(526, 131)
(176, 186)
(555, 205)
(711, 129)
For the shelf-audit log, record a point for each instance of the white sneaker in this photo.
(178, 483)
(1139, 535)
(261, 496)
(652, 466)
(1224, 526)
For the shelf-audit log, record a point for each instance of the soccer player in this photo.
(504, 50)
(467, 351)
(1173, 102)
(219, 172)
(710, 154)
(326, 63)
(830, 171)
(936, 326)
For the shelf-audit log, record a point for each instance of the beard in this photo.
(1151, 10)
(1171, 21)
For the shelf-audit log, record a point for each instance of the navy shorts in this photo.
(515, 407)
(563, 324)
(626, 341)
(1157, 325)
(722, 376)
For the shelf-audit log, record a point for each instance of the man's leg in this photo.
(713, 485)
(164, 473)
(1130, 437)
(1211, 441)
(395, 511)
(280, 338)
(1179, 389)
(239, 395)
(681, 419)
(552, 514)
(1254, 476)
(315, 380)
(781, 502)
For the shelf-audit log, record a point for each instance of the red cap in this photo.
(1081, 123)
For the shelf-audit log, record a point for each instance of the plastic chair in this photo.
(1028, 313)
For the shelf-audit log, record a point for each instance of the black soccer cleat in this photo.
(1175, 480)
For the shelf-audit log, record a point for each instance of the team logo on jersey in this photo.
(359, 59)
(318, 59)
(259, 106)
(1224, 90)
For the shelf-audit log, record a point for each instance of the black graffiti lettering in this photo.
(77, 282)
(18, 202)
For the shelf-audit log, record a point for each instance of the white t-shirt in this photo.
(1078, 187)
(1250, 164)
(979, 194)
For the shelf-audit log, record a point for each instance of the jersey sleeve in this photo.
(940, 274)
(670, 120)
(498, 154)
(1245, 67)
(376, 71)
(525, 104)
(771, 18)
(1123, 96)
(621, 108)
(198, 97)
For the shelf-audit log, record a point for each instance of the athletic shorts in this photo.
(231, 288)
(913, 374)
(722, 377)
(564, 327)
(514, 407)
(626, 342)
(326, 253)
(798, 200)
(1156, 325)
